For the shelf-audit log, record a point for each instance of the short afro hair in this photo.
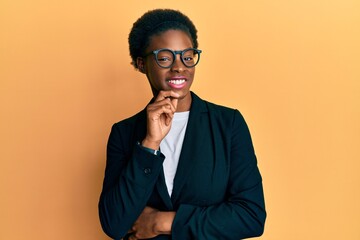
(155, 22)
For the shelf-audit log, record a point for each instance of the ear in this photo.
(141, 64)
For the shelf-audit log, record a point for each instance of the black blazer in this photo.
(217, 192)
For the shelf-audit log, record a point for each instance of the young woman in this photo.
(183, 168)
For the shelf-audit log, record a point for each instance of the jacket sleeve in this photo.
(242, 214)
(130, 177)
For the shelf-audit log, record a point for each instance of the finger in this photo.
(163, 106)
(166, 94)
(168, 108)
(174, 102)
(168, 119)
(171, 104)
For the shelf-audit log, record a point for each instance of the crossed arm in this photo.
(127, 189)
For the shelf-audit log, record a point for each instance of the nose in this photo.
(178, 65)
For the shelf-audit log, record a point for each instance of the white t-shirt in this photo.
(171, 146)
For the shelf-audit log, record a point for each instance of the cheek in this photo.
(192, 73)
(155, 77)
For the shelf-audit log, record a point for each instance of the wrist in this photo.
(150, 144)
(150, 150)
(164, 222)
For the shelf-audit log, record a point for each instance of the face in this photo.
(177, 78)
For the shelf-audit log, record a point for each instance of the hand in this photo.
(151, 223)
(159, 117)
(144, 227)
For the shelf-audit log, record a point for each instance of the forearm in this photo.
(237, 218)
(122, 202)
(152, 223)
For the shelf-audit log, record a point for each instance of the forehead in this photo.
(172, 39)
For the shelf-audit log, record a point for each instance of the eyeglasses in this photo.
(165, 58)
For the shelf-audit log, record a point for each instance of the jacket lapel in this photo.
(190, 149)
(163, 192)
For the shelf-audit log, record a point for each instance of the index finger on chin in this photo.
(166, 94)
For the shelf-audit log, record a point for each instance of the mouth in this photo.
(177, 83)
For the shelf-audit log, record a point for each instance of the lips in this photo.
(177, 83)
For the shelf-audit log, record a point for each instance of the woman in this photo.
(182, 168)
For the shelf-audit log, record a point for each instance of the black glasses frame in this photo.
(155, 52)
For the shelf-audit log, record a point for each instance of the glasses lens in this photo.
(190, 57)
(165, 58)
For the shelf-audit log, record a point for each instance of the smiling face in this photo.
(178, 77)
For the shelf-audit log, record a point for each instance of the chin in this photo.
(182, 93)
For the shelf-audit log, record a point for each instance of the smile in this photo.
(177, 81)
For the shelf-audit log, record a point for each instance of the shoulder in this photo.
(226, 116)
(220, 111)
(128, 125)
(127, 131)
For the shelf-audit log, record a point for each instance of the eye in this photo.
(165, 56)
(164, 59)
(188, 58)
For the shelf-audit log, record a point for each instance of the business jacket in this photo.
(217, 192)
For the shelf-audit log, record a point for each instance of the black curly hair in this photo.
(155, 22)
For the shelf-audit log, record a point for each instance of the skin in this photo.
(168, 100)
(158, 77)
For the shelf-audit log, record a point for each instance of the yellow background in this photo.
(291, 67)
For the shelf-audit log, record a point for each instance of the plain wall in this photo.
(291, 67)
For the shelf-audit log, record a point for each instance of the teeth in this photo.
(177, 82)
